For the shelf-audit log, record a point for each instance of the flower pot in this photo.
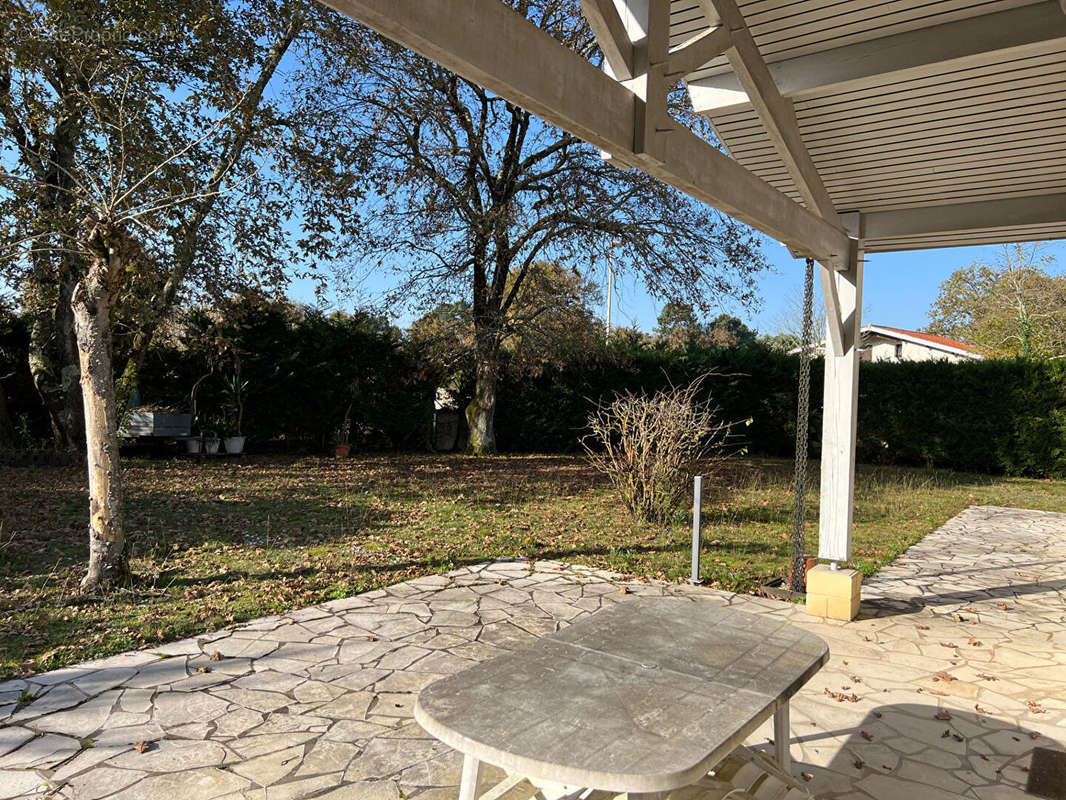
(234, 444)
(193, 446)
(342, 450)
(211, 445)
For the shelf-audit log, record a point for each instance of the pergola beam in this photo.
(1016, 32)
(612, 36)
(1042, 209)
(779, 119)
(775, 111)
(699, 50)
(489, 43)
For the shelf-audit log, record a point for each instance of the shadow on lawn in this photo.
(431, 565)
(904, 750)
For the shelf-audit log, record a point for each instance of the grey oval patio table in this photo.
(643, 698)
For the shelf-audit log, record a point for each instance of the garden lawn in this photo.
(220, 542)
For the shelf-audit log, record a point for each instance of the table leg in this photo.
(468, 784)
(782, 736)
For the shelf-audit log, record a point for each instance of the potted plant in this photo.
(343, 447)
(236, 390)
(211, 442)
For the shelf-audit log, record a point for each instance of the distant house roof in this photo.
(925, 339)
(933, 342)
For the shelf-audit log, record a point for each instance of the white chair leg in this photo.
(468, 784)
(781, 737)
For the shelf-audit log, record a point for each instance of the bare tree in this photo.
(473, 191)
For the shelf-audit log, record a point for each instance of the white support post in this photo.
(840, 409)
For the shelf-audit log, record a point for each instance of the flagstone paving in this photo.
(954, 672)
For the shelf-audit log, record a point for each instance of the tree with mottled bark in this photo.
(172, 190)
(472, 192)
(193, 64)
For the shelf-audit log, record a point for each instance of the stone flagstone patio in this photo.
(954, 673)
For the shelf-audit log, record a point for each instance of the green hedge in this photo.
(982, 416)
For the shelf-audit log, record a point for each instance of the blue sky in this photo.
(899, 288)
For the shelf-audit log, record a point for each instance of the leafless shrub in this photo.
(649, 447)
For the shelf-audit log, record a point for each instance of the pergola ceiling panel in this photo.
(959, 132)
(968, 134)
(786, 30)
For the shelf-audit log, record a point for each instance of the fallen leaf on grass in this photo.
(141, 747)
(203, 669)
(944, 676)
(806, 776)
(216, 656)
(858, 763)
(974, 642)
(867, 736)
(840, 697)
(1002, 606)
(943, 715)
(948, 644)
(946, 733)
(921, 627)
(1034, 735)
(1035, 707)
(958, 617)
(978, 709)
(985, 677)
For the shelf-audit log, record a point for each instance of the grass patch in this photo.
(217, 543)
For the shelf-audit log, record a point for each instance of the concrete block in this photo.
(817, 605)
(845, 608)
(834, 582)
(834, 593)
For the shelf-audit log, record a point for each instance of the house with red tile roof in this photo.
(883, 343)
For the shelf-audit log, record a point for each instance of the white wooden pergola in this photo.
(851, 126)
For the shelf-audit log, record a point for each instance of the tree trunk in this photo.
(53, 364)
(481, 412)
(7, 429)
(92, 303)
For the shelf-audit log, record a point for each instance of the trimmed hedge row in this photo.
(982, 416)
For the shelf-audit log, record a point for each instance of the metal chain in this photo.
(799, 487)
